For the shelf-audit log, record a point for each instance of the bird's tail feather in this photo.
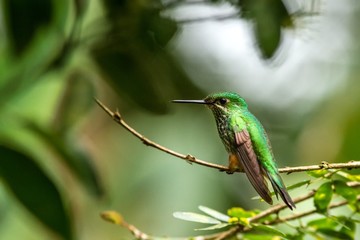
(280, 189)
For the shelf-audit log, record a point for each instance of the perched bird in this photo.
(246, 142)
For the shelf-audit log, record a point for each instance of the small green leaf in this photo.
(323, 197)
(195, 217)
(34, 190)
(317, 173)
(349, 176)
(214, 227)
(215, 214)
(240, 213)
(349, 193)
(334, 234)
(244, 221)
(323, 223)
(349, 228)
(327, 226)
(298, 236)
(113, 217)
(267, 229)
(269, 218)
(252, 236)
(355, 220)
(299, 184)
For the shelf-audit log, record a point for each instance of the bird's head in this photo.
(220, 103)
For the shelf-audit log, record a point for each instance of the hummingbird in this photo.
(246, 142)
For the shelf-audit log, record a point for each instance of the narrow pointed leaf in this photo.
(299, 184)
(349, 193)
(214, 227)
(252, 236)
(195, 217)
(240, 213)
(215, 214)
(267, 229)
(349, 228)
(317, 173)
(323, 197)
(323, 223)
(334, 234)
(355, 220)
(34, 190)
(349, 176)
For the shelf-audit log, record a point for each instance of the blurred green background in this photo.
(63, 160)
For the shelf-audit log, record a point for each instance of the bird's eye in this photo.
(223, 101)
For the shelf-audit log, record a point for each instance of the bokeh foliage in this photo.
(333, 186)
(327, 223)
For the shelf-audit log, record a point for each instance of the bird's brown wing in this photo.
(246, 155)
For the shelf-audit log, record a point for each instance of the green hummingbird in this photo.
(246, 142)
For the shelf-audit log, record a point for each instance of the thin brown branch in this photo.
(116, 218)
(306, 213)
(277, 208)
(231, 232)
(191, 159)
(322, 165)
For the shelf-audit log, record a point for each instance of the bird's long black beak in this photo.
(190, 101)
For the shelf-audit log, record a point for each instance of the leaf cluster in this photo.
(334, 185)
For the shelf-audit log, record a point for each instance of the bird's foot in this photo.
(231, 171)
(234, 165)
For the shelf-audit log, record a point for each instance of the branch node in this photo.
(190, 159)
(350, 162)
(144, 141)
(117, 116)
(324, 165)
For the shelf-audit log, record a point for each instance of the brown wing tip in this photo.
(267, 198)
